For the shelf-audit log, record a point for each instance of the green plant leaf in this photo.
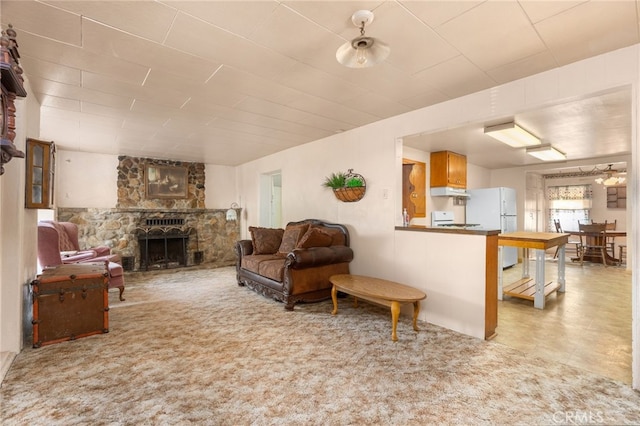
(335, 180)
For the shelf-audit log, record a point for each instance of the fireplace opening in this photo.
(163, 243)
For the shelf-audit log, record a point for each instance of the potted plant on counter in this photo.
(347, 187)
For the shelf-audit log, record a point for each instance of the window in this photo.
(40, 174)
(570, 204)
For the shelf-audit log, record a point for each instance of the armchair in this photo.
(58, 244)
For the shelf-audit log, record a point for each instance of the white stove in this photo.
(441, 218)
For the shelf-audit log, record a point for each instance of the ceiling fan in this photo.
(612, 176)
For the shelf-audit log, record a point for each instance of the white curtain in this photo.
(570, 204)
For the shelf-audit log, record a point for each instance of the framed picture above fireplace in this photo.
(166, 181)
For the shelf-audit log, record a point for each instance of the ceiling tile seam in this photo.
(435, 30)
(542, 40)
(306, 18)
(163, 45)
(271, 128)
(173, 21)
(86, 89)
(311, 114)
(297, 91)
(214, 73)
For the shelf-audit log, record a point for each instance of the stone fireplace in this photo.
(206, 235)
(151, 233)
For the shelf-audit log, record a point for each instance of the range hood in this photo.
(446, 191)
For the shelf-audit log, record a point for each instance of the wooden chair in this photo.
(573, 241)
(622, 254)
(611, 226)
(611, 239)
(594, 242)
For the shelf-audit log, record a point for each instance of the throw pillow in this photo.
(265, 240)
(291, 237)
(337, 236)
(315, 237)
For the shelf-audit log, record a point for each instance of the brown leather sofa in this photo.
(294, 264)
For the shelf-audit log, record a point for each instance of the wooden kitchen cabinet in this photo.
(448, 169)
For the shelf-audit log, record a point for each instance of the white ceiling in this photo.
(226, 82)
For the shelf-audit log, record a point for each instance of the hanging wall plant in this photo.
(347, 187)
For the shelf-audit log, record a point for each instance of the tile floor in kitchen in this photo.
(588, 326)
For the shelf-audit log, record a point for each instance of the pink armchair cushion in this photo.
(64, 241)
(79, 256)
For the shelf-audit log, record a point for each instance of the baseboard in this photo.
(6, 358)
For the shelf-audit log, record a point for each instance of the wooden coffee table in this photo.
(383, 292)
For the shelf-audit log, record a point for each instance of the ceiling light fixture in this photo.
(546, 153)
(512, 134)
(611, 179)
(362, 52)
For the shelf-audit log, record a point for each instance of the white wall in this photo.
(18, 259)
(88, 180)
(220, 189)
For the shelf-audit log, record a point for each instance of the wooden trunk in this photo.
(69, 302)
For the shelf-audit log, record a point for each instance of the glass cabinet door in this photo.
(40, 174)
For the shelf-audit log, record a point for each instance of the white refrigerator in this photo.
(495, 208)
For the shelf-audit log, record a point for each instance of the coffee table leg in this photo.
(416, 311)
(395, 313)
(334, 297)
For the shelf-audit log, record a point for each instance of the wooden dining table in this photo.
(610, 258)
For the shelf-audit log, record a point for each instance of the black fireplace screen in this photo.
(163, 251)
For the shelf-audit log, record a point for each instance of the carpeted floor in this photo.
(191, 347)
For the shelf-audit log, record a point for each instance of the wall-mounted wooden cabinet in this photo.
(617, 197)
(40, 174)
(448, 169)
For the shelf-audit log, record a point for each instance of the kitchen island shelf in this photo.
(540, 242)
(525, 288)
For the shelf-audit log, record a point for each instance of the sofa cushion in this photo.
(315, 237)
(337, 236)
(265, 240)
(273, 269)
(292, 235)
(252, 262)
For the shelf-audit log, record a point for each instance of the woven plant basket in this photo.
(349, 195)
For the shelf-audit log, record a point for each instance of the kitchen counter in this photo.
(471, 230)
(464, 299)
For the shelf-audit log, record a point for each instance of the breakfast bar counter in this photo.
(525, 288)
(469, 230)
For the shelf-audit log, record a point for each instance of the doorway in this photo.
(271, 200)
(414, 182)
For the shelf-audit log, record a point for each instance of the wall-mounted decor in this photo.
(12, 86)
(347, 187)
(617, 197)
(166, 181)
(41, 161)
